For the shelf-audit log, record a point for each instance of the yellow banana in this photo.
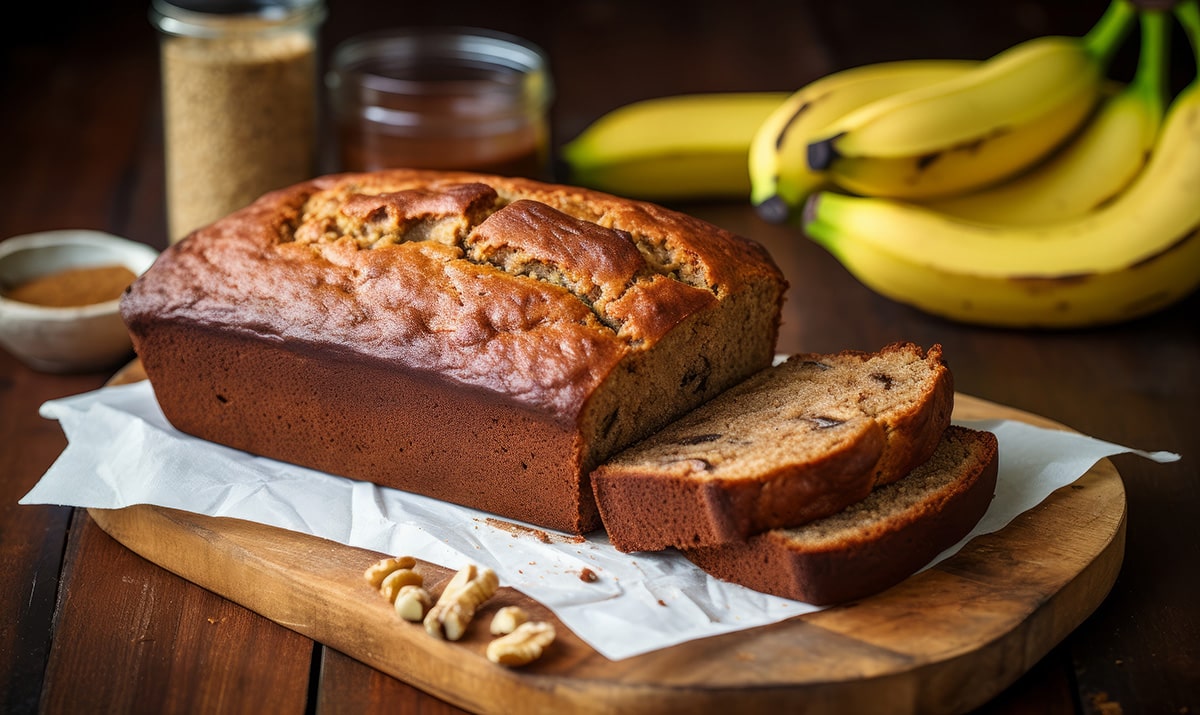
(1158, 209)
(682, 147)
(959, 168)
(1024, 302)
(975, 129)
(1097, 164)
(1131, 256)
(780, 178)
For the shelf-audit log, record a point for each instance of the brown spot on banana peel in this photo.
(968, 147)
(924, 162)
(1045, 284)
(1118, 191)
(800, 111)
(791, 122)
(1178, 243)
(822, 154)
(1039, 284)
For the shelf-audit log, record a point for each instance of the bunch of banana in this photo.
(669, 148)
(1134, 252)
(926, 136)
(779, 173)
(1015, 191)
(1096, 164)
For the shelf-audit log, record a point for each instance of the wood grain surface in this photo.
(87, 625)
(943, 641)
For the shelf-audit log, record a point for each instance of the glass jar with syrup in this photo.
(422, 98)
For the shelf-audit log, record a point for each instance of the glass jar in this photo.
(441, 98)
(240, 96)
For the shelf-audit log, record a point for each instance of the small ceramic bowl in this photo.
(70, 339)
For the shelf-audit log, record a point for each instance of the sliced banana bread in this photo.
(875, 543)
(795, 442)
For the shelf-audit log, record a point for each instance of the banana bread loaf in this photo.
(481, 340)
(873, 544)
(795, 442)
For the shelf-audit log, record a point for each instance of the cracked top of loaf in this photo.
(531, 290)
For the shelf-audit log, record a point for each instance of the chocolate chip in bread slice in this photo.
(875, 543)
(793, 443)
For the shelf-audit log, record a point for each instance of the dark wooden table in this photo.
(87, 626)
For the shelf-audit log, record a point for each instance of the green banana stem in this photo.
(1188, 14)
(1106, 35)
(1150, 79)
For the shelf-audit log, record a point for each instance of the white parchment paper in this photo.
(121, 451)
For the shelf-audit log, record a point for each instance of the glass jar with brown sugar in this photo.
(239, 102)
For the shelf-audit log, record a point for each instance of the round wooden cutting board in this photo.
(943, 641)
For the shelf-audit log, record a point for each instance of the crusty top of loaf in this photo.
(532, 291)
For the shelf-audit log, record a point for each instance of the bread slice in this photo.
(875, 543)
(793, 443)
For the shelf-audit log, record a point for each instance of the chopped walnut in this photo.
(524, 645)
(378, 571)
(507, 619)
(397, 580)
(412, 602)
(455, 608)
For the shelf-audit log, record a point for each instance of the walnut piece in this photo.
(376, 572)
(397, 580)
(507, 619)
(462, 596)
(524, 645)
(412, 602)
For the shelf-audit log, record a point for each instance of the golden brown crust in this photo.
(546, 301)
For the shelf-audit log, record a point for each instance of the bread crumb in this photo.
(518, 530)
(587, 575)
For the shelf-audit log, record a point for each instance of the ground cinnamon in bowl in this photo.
(59, 297)
(74, 287)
